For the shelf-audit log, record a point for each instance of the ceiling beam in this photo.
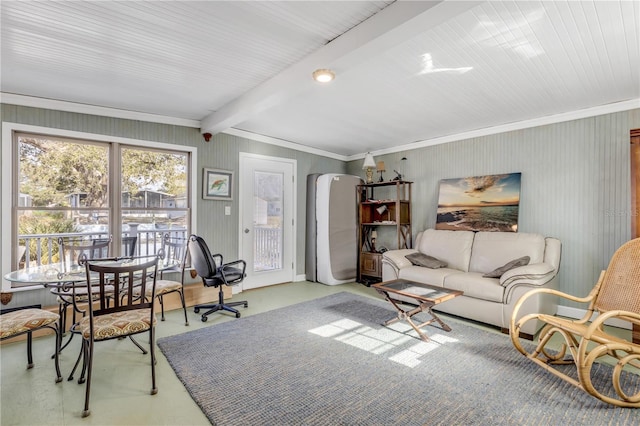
(393, 25)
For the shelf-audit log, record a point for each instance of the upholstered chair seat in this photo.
(165, 286)
(27, 321)
(117, 324)
(24, 320)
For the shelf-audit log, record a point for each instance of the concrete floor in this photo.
(120, 391)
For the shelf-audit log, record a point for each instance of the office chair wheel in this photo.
(196, 310)
(238, 315)
(246, 304)
(204, 318)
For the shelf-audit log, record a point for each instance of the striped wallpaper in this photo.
(575, 180)
(575, 185)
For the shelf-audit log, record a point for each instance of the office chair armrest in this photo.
(233, 266)
(218, 258)
(236, 262)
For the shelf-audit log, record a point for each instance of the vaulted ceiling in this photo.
(406, 71)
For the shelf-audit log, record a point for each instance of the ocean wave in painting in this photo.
(491, 218)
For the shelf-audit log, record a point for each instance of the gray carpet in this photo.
(330, 362)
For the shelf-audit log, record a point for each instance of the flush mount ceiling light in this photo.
(323, 75)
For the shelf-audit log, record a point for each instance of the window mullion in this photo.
(115, 196)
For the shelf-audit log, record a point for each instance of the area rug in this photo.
(330, 362)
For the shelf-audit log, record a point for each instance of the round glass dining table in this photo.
(57, 273)
(60, 277)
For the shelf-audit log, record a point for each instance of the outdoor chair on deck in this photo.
(616, 295)
(128, 316)
(215, 273)
(128, 245)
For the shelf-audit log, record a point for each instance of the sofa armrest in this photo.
(552, 252)
(537, 274)
(396, 258)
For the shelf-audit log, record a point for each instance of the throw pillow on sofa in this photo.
(421, 259)
(497, 273)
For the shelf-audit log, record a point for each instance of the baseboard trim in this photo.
(566, 311)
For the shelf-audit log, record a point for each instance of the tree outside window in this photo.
(67, 187)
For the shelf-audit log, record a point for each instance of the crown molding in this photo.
(35, 102)
(283, 143)
(518, 125)
(30, 101)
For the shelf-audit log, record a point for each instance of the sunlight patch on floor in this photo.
(382, 340)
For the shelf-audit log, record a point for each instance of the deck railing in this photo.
(267, 253)
(39, 249)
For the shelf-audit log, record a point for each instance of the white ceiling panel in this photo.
(497, 63)
(176, 58)
(406, 71)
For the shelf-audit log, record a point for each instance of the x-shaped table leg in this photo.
(408, 314)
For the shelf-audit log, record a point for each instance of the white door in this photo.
(266, 208)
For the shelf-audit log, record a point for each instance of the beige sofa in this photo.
(469, 255)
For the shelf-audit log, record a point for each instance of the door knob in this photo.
(246, 230)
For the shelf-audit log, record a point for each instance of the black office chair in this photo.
(215, 273)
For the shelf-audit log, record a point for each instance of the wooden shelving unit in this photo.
(381, 204)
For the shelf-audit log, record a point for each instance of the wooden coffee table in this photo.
(425, 296)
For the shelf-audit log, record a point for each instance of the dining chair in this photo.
(72, 252)
(175, 253)
(26, 321)
(114, 318)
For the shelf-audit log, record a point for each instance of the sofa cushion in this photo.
(452, 247)
(474, 285)
(498, 272)
(421, 259)
(425, 275)
(493, 249)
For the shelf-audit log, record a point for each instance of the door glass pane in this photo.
(268, 188)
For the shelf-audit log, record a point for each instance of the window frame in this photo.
(9, 157)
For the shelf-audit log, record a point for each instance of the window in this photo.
(153, 188)
(87, 189)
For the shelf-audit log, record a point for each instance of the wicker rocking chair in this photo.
(616, 295)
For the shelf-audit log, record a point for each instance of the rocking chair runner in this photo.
(616, 295)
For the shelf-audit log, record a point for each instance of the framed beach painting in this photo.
(479, 203)
(217, 184)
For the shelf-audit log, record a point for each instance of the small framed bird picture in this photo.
(217, 184)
